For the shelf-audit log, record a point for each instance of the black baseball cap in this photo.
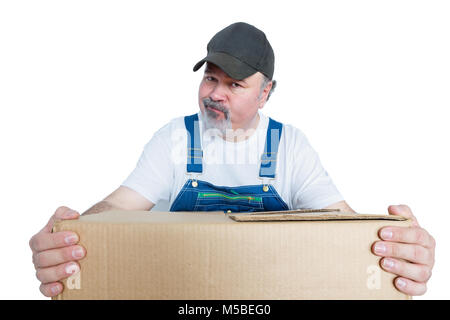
(240, 50)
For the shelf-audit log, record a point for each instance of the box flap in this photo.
(310, 215)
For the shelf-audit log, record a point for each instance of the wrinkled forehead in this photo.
(211, 68)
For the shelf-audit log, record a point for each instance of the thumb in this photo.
(404, 211)
(62, 213)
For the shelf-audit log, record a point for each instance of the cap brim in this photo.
(232, 66)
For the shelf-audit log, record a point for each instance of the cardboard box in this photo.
(188, 255)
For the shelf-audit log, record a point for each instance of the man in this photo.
(231, 157)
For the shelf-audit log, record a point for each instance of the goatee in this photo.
(210, 117)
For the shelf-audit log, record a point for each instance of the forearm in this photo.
(121, 199)
(342, 206)
(100, 207)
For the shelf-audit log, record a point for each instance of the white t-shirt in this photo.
(300, 179)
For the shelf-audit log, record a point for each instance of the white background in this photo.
(85, 84)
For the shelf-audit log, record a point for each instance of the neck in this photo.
(242, 133)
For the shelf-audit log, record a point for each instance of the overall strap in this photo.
(194, 148)
(269, 157)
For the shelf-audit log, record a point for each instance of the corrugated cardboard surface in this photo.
(161, 255)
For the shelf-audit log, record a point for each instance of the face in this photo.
(227, 103)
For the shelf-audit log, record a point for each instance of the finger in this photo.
(404, 211)
(55, 257)
(57, 273)
(412, 271)
(45, 241)
(411, 252)
(62, 213)
(51, 289)
(415, 235)
(410, 287)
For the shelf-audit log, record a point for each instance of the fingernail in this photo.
(386, 234)
(70, 213)
(71, 239)
(78, 253)
(380, 248)
(388, 263)
(401, 283)
(54, 289)
(72, 268)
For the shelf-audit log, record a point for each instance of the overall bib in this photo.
(198, 195)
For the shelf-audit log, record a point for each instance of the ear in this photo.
(264, 95)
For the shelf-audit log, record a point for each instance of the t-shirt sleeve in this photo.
(153, 175)
(312, 187)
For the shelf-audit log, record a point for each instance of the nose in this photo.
(218, 93)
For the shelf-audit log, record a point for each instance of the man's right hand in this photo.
(55, 254)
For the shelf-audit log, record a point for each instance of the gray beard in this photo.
(210, 120)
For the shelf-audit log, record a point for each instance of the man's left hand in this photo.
(407, 252)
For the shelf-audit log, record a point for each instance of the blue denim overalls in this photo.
(198, 195)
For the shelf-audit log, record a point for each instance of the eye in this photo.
(208, 78)
(235, 85)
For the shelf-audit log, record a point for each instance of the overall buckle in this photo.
(193, 177)
(265, 182)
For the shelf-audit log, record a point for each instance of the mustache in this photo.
(209, 103)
